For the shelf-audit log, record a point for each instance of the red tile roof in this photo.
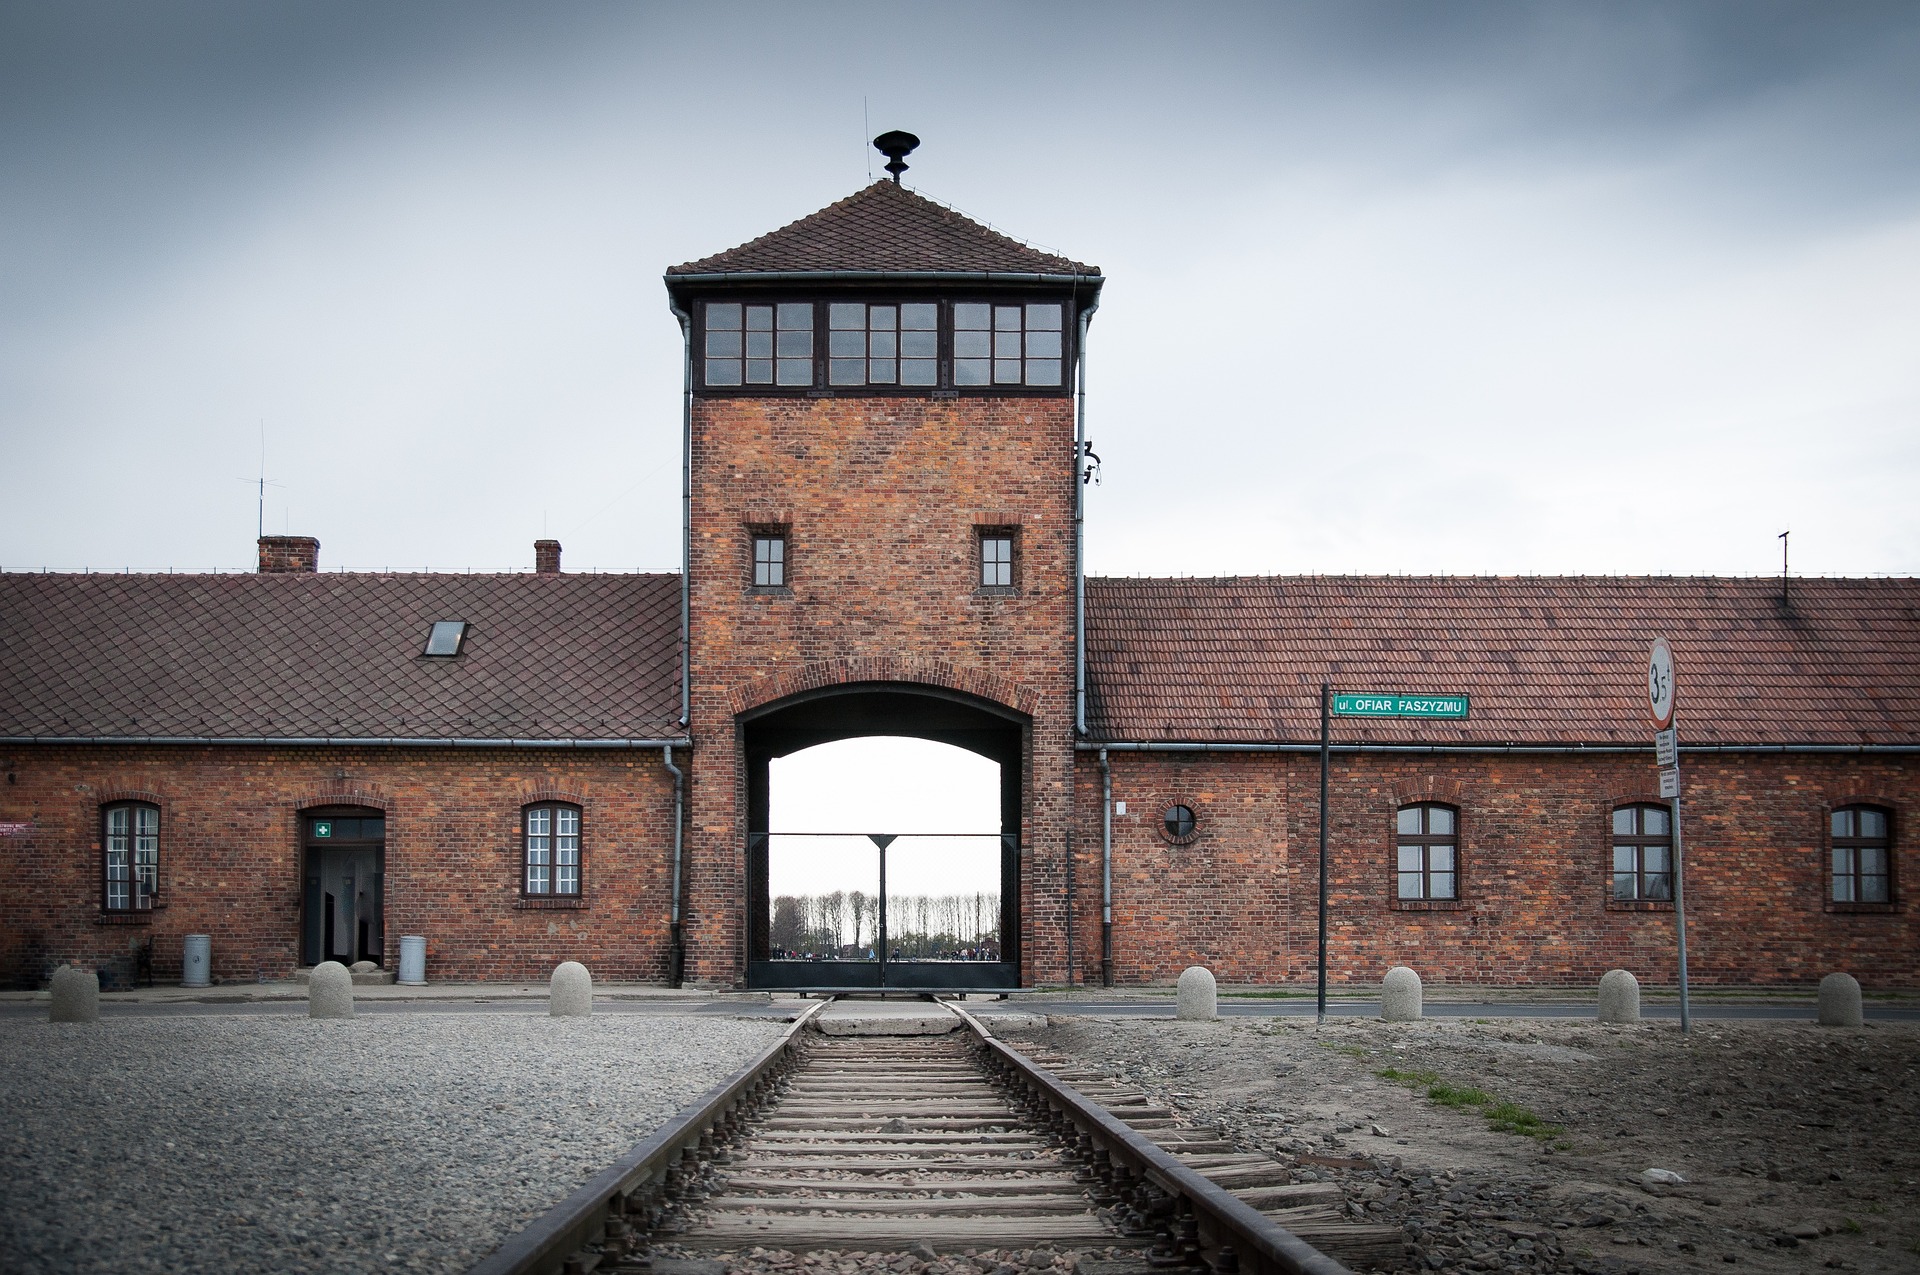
(884, 228)
(338, 655)
(1545, 659)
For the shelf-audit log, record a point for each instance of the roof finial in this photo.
(896, 145)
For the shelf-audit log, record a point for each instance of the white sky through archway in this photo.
(884, 783)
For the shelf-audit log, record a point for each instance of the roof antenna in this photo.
(896, 146)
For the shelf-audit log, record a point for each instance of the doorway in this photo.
(884, 841)
(343, 904)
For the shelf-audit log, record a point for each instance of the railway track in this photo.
(954, 1143)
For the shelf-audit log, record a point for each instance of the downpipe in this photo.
(1079, 527)
(1106, 872)
(677, 950)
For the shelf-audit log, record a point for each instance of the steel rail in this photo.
(1241, 1237)
(545, 1246)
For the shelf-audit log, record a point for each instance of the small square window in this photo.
(769, 560)
(446, 638)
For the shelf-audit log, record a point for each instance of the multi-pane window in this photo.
(1862, 855)
(996, 559)
(552, 849)
(130, 841)
(883, 344)
(1642, 853)
(769, 560)
(759, 344)
(1007, 344)
(1427, 844)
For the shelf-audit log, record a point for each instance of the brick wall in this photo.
(1535, 846)
(230, 858)
(881, 498)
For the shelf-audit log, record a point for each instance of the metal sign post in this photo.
(1661, 696)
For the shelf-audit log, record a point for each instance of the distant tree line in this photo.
(844, 925)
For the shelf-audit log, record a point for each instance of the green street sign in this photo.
(1393, 704)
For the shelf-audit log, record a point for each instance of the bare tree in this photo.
(858, 901)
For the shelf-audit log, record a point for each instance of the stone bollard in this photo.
(1619, 997)
(330, 991)
(1199, 999)
(1400, 996)
(1840, 1001)
(570, 995)
(76, 996)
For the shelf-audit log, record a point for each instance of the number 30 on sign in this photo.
(1660, 684)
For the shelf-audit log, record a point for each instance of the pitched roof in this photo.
(1544, 659)
(339, 656)
(885, 228)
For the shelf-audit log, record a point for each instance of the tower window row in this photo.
(931, 345)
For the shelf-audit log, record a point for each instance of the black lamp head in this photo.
(896, 146)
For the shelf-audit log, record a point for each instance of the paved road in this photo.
(1229, 1007)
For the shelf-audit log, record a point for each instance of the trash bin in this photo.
(196, 961)
(413, 961)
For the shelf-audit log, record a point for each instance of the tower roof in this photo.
(885, 229)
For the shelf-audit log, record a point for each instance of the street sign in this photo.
(1666, 747)
(1394, 704)
(1660, 684)
(1670, 783)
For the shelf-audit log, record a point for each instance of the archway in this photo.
(928, 901)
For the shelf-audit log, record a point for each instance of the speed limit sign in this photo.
(1660, 684)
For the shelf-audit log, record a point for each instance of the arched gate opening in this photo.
(932, 913)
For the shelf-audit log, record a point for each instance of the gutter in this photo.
(1184, 746)
(353, 741)
(884, 276)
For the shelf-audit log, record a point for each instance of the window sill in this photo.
(1428, 905)
(997, 591)
(124, 918)
(769, 590)
(558, 903)
(1639, 905)
(1869, 909)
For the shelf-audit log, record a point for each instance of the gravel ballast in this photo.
(410, 1142)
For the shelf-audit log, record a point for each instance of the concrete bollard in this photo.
(76, 996)
(1199, 999)
(1840, 1001)
(330, 991)
(570, 994)
(1619, 997)
(1400, 1000)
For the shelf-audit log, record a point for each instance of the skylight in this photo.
(446, 637)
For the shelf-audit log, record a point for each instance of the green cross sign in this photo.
(1395, 704)
(322, 829)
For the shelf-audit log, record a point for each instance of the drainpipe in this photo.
(1106, 872)
(1079, 527)
(686, 511)
(677, 952)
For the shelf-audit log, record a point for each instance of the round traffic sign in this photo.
(1660, 684)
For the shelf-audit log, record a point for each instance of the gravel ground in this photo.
(1797, 1143)
(408, 1142)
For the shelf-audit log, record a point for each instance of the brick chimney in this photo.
(289, 553)
(546, 557)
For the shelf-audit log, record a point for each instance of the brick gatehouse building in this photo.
(884, 434)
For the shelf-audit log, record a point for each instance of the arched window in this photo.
(551, 850)
(1426, 852)
(1862, 855)
(1642, 853)
(130, 856)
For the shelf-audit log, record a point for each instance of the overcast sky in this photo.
(1393, 287)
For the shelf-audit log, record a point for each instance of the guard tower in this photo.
(883, 495)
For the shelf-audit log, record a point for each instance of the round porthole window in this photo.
(1177, 825)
